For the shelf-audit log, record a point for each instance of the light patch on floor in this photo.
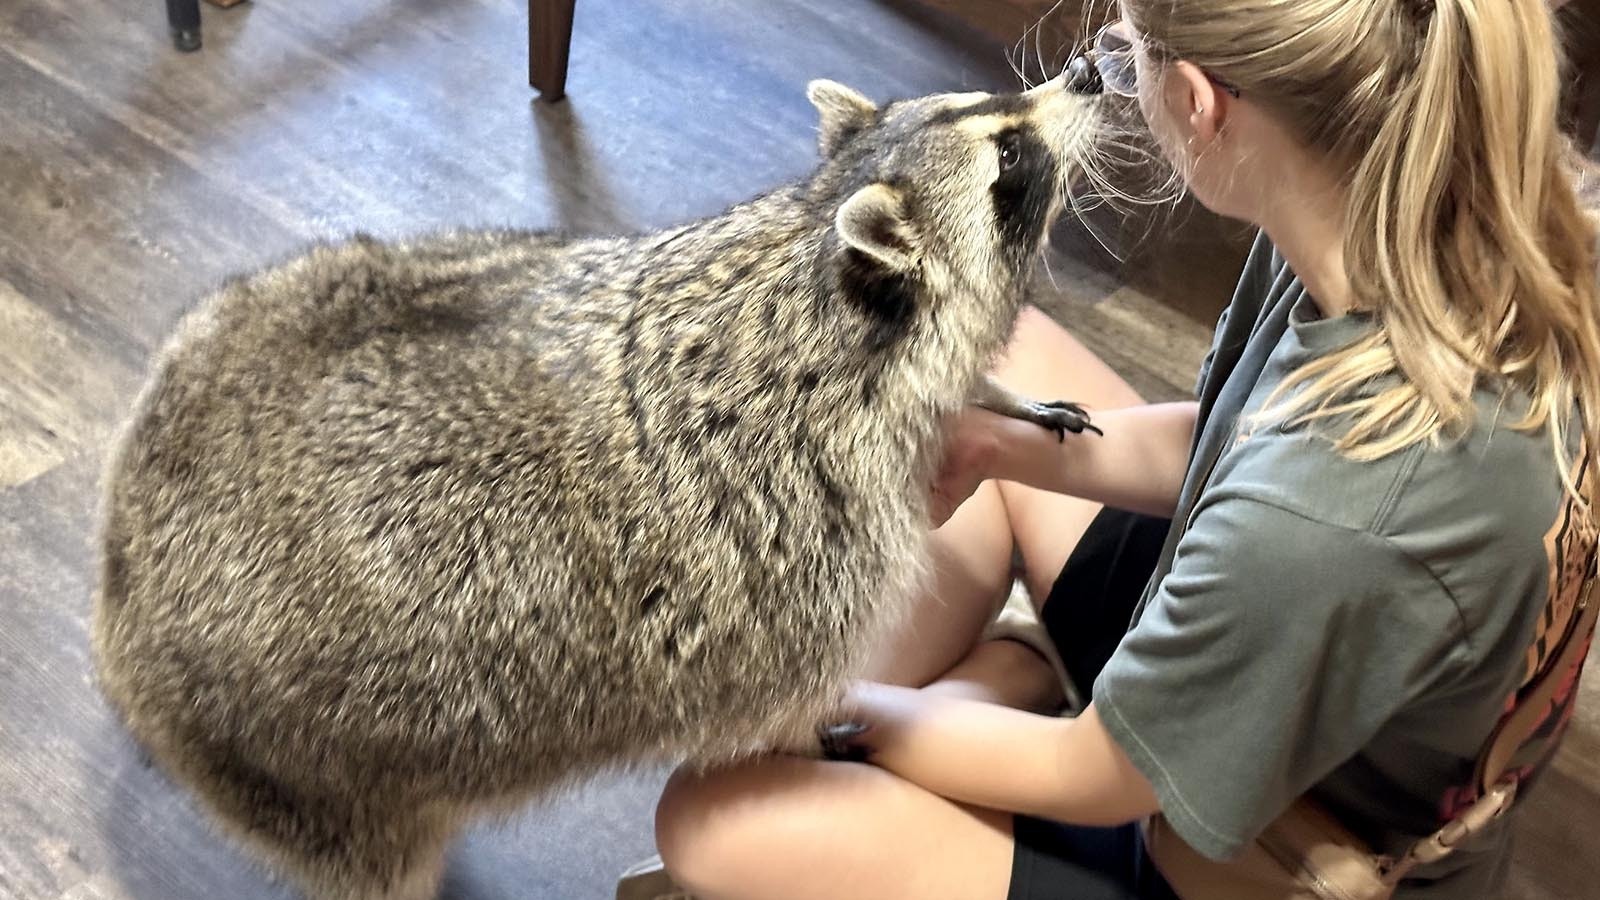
(48, 382)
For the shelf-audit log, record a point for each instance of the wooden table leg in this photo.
(549, 41)
(183, 17)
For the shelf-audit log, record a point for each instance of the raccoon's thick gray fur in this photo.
(404, 533)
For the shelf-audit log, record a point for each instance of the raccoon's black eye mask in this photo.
(1010, 151)
(1026, 187)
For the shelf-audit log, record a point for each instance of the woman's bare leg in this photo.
(970, 558)
(971, 554)
(1046, 362)
(795, 829)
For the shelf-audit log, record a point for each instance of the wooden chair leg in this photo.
(183, 18)
(549, 41)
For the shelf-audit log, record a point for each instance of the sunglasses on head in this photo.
(1113, 54)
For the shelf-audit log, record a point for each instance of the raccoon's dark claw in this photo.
(839, 742)
(1061, 417)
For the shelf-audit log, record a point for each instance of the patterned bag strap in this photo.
(1522, 742)
(1526, 738)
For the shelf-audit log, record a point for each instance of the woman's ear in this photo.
(1193, 99)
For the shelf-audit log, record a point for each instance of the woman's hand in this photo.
(972, 445)
(994, 756)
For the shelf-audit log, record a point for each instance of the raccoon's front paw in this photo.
(1058, 416)
(841, 742)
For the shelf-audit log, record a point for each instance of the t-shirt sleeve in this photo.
(1273, 651)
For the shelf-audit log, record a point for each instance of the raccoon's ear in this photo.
(844, 112)
(873, 222)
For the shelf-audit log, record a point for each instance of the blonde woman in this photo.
(1375, 498)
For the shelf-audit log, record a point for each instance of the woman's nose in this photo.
(1083, 77)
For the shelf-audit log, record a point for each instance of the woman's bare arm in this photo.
(1069, 770)
(1138, 464)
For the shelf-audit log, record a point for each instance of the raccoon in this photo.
(404, 533)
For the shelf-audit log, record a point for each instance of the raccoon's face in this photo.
(956, 190)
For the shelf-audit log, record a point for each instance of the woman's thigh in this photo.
(969, 573)
(971, 556)
(1046, 362)
(796, 829)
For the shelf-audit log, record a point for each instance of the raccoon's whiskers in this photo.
(1038, 45)
(1038, 39)
(1080, 212)
(1048, 272)
(1011, 61)
(1122, 148)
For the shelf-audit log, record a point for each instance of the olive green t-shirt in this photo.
(1316, 624)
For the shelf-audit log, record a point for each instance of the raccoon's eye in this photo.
(1010, 152)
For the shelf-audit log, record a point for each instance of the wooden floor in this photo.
(132, 179)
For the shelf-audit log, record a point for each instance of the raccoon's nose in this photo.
(1083, 77)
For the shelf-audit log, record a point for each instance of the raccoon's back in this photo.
(320, 491)
(425, 519)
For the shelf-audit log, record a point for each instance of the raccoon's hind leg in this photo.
(377, 847)
(393, 863)
(391, 856)
(1057, 415)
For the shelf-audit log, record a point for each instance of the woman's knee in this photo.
(704, 833)
(1033, 335)
(784, 826)
(682, 815)
(1044, 358)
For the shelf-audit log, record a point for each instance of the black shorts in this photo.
(1087, 614)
